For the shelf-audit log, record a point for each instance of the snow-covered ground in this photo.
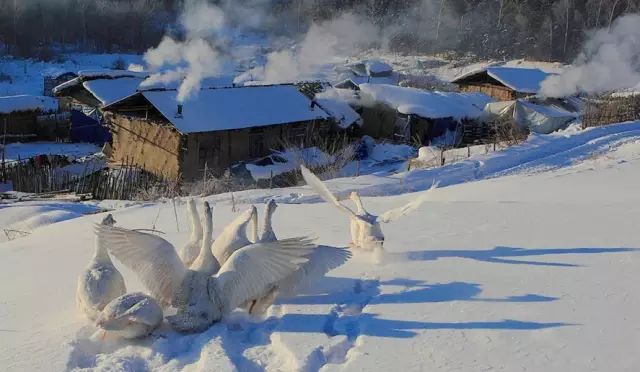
(532, 267)
(15, 151)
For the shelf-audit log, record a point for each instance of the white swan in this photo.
(321, 261)
(234, 236)
(203, 299)
(131, 315)
(355, 222)
(100, 282)
(268, 235)
(366, 227)
(206, 263)
(191, 250)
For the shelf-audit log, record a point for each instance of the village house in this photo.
(26, 118)
(413, 115)
(85, 94)
(216, 128)
(351, 75)
(53, 80)
(503, 83)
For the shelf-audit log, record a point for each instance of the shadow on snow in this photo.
(504, 255)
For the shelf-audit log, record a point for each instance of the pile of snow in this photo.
(289, 160)
(22, 103)
(20, 219)
(432, 105)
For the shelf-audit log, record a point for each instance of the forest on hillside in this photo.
(538, 29)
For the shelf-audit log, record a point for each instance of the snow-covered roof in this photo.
(108, 91)
(90, 75)
(523, 80)
(111, 74)
(370, 67)
(434, 105)
(236, 108)
(344, 115)
(24, 103)
(551, 111)
(214, 82)
(375, 67)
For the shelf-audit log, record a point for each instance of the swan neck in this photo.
(267, 228)
(254, 226)
(358, 201)
(196, 226)
(101, 254)
(207, 260)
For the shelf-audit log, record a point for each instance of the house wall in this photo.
(220, 149)
(19, 126)
(378, 121)
(500, 93)
(146, 142)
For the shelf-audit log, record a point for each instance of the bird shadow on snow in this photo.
(505, 255)
(351, 304)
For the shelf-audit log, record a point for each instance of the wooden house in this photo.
(503, 83)
(53, 80)
(22, 117)
(413, 115)
(217, 127)
(88, 92)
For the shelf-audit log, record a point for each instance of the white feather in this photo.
(322, 190)
(394, 214)
(252, 270)
(152, 258)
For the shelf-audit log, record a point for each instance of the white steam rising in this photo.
(610, 61)
(194, 59)
(323, 43)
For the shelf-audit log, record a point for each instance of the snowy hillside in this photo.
(531, 269)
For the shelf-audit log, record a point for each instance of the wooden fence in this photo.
(122, 182)
(610, 110)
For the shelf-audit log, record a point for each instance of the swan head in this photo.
(271, 206)
(109, 220)
(197, 316)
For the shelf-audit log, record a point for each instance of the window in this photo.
(256, 144)
(296, 135)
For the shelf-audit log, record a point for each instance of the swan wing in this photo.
(152, 258)
(252, 270)
(322, 190)
(396, 213)
(322, 260)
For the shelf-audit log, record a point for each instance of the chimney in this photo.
(179, 113)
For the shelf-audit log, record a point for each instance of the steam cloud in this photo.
(610, 61)
(194, 59)
(203, 52)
